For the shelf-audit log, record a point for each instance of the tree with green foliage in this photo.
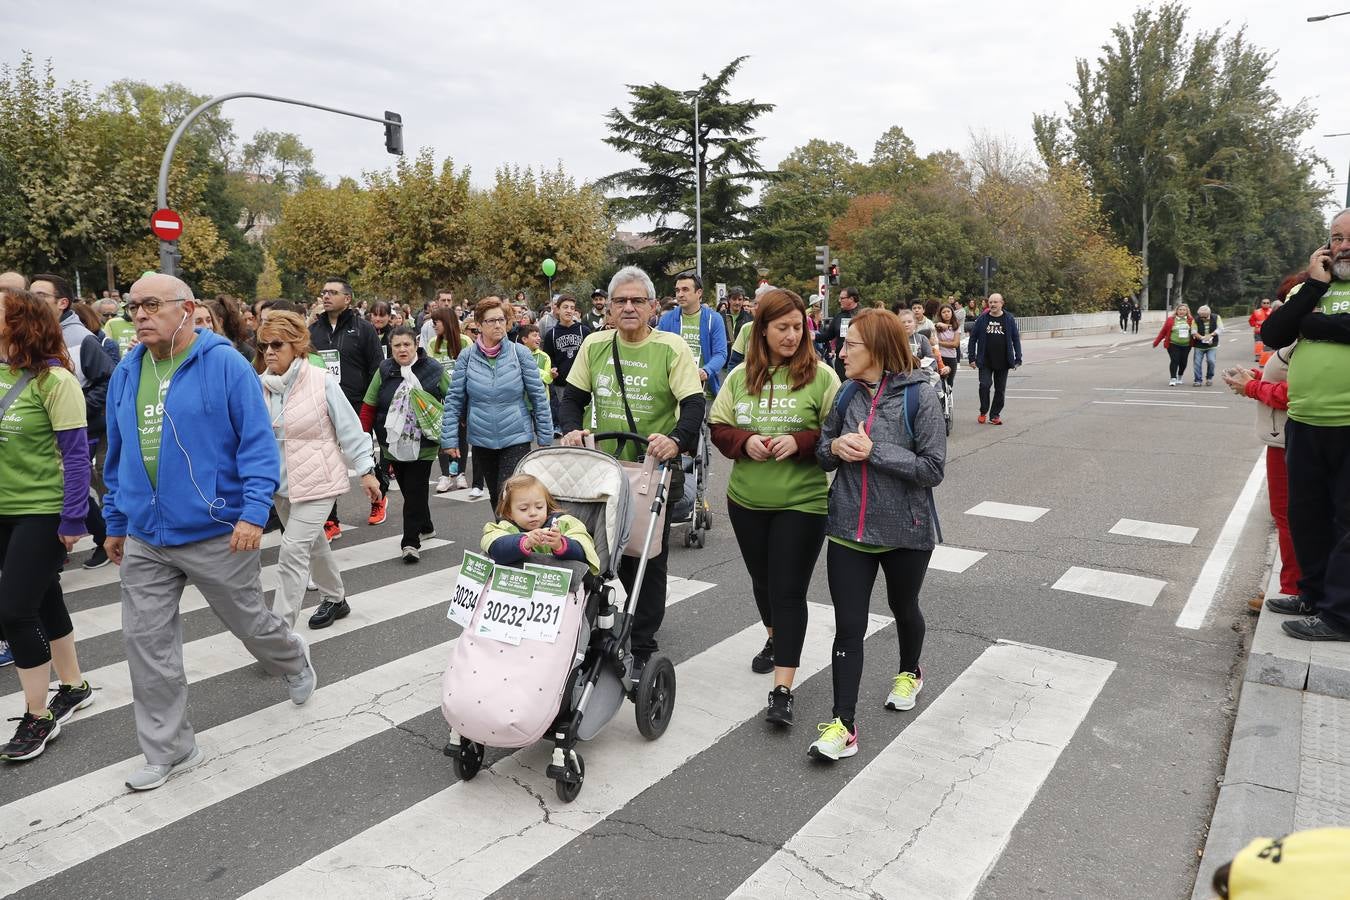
(815, 184)
(1191, 153)
(658, 130)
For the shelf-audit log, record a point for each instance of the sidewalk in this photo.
(1289, 759)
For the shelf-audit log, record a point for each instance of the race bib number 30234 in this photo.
(506, 605)
(474, 574)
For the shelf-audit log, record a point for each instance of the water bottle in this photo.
(454, 467)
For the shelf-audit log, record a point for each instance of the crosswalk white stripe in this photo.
(931, 814)
(108, 617)
(409, 854)
(222, 653)
(946, 558)
(79, 579)
(1111, 585)
(95, 813)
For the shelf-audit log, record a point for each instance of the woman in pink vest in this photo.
(319, 436)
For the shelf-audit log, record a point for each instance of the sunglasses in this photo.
(273, 345)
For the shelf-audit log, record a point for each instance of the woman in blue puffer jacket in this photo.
(496, 387)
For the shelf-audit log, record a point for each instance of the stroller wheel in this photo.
(689, 538)
(655, 697)
(698, 539)
(568, 790)
(468, 760)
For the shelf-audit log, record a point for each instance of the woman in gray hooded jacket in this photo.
(886, 441)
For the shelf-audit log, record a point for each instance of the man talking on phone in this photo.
(1317, 437)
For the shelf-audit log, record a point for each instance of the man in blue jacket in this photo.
(995, 349)
(191, 469)
(702, 329)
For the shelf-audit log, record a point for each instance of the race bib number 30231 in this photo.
(506, 605)
(474, 574)
(551, 587)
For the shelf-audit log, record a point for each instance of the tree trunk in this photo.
(1143, 253)
(1181, 275)
(112, 272)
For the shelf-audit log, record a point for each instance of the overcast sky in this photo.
(529, 82)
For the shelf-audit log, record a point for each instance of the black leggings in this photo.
(32, 610)
(852, 574)
(413, 476)
(780, 548)
(1176, 360)
(497, 466)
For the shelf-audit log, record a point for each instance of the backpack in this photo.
(841, 402)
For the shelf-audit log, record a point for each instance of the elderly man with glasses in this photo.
(192, 467)
(645, 381)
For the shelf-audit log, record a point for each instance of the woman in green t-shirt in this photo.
(767, 419)
(44, 497)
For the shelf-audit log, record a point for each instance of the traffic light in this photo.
(393, 133)
(823, 259)
(834, 272)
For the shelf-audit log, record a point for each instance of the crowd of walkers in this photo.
(178, 431)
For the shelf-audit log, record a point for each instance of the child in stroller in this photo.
(529, 521)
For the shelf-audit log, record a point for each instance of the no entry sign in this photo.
(167, 225)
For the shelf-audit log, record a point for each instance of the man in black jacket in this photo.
(351, 350)
(833, 333)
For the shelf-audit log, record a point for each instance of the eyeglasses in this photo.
(150, 304)
(629, 301)
(43, 295)
(854, 345)
(330, 293)
(494, 321)
(273, 345)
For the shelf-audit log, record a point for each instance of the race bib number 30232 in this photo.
(506, 605)
(474, 574)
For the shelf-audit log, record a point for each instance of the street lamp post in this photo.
(1342, 134)
(168, 255)
(698, 194)
(1327, 16)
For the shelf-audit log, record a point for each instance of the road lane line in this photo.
(1155, 531)
(409, 854)
(108, 617)
(1154, 403)
(95, 813)
(932, 813)
(1110, 585)
(1216, 566)
(995, 510)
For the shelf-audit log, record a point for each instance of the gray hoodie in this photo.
(884, 500)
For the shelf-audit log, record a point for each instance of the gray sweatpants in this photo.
(153, 579)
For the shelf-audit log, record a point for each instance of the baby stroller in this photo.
(512, 696)
(692, 511)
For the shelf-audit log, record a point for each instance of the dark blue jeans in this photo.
(1318, 461)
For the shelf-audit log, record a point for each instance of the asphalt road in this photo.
(1093, 769)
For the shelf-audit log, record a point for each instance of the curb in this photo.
(1289, 759)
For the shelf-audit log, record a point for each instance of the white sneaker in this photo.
(311, 586)
(461, 483)
(476, 493)
(904, 689)
(1172, 383)
(443, 484)
(150, 776)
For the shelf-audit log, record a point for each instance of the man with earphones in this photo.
(191, 469)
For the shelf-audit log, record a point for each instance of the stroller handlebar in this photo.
(620, 436)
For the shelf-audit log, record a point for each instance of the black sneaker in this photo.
(639, 662)
(31, 737)
(780, 706)
(763, 661)
(98, 559)
(1314, 628)
(1290, 606)
(68, 698)
(328, 613)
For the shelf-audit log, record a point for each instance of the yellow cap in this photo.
(1305, 865)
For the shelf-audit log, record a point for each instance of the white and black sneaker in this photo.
(98, 559)
(763, 662)
(779, 711)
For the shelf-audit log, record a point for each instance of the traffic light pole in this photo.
(168, 250)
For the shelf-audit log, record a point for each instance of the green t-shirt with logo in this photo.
(658, 372)
(689, 330)
(31, 479)
(156, 376)
(797, 483)
(1319, 371)
(122, 331)
(743, 339)
(1181, 332)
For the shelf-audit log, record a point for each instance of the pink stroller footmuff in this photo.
(507, 696)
